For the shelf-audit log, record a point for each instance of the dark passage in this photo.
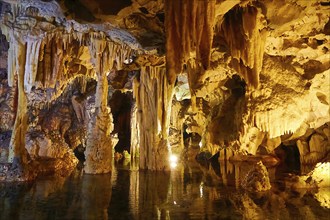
(121, 104)
(290, 160)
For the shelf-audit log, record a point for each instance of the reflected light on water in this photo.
(190, 192)
(173, 161)
(201, 189)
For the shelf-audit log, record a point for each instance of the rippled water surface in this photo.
(190, 192)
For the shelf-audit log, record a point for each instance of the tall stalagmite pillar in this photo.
(99, 146)
(17, 152)
(153, 95)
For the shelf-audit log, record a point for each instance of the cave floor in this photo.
(191, 191)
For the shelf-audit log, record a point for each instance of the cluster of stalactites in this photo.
(57, 58)
(189, 28)
(245, 34)
(107, 55)
(45, 61)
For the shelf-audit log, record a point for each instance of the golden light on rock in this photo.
(216, 94)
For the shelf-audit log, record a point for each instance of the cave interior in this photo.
(165, 83)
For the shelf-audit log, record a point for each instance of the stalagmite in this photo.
(99, 148)
(153, 95)
(105, 55)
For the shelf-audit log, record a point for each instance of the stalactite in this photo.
(193, 70)
(80, 37)
(189, 27)
(38, 59)
(245, 34)
(31, 63)
(40, 69)
(47, 63)
(11, 60)
(56, 67)
(153, 96)
(268, 122)
(59, 61)
(56, 60)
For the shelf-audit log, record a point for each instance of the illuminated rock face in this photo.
(153, 95)
(243, 77)
(45, 57)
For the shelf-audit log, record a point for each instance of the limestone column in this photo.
(99, 145)
(17, 152)
(153, 95)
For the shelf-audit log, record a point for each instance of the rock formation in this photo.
(257, 179)
(245, 80)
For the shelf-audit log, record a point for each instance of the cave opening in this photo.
(290, 159)
(121, 105)
(236, 85)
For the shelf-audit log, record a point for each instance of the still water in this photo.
(192, 191)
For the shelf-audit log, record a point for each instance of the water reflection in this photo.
(191, 191)
(76, 197)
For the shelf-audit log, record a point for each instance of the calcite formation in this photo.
(234, 79)
(42, 61)
(257, 179)
(153, 96)
(189, 28)
(244, 30)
